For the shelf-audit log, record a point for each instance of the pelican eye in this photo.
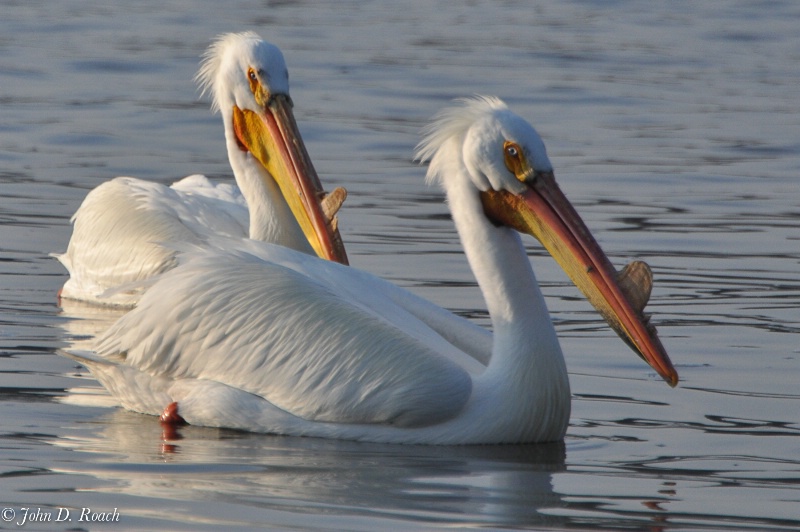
(515, 160)
(252, 77)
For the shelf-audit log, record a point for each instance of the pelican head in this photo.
(249, 82)
(504, 160)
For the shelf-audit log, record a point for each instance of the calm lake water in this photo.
(674, 129)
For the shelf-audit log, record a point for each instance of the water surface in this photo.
(673, 129)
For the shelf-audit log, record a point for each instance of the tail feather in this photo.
(89, 358)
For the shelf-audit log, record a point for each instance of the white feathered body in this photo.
(290, 344)
(127, 229)
(124, 231)
(250, 335)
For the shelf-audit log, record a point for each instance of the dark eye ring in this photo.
(512, 151)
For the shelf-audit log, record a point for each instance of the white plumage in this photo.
(258, 337)
(126, 229)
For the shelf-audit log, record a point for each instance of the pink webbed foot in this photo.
(171, 417)
(170, 421)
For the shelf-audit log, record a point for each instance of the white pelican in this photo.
(126, 228)
(262, 338)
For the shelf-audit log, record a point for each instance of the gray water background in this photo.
(673, 128)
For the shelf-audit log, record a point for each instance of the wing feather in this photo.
(264, 328)
(120, 230)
